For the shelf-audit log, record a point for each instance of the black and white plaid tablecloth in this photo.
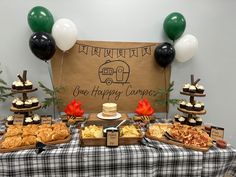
(134, 160)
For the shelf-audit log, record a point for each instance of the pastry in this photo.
(200, 89)
(36, 119)
(159, 129)
(192, 89)
(28, 140)
(60, 134)
(10, 120)
(11, 142)
(13, 130)
(177, 116)
(186, 87)
(14, 101)
(35, 101)
(28, 103)
(189, 106)
(14, 85)
(191, 122)
(18, 85)
(28, 120)
(182, 104)
(202, 105)
(30, 130)
(198, 107)
(28, 84)
(59, 126)
(198, 120)
(109, 109)
(19, 104)
(45, 136)
(182, 120)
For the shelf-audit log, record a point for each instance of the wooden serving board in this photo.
(102, 141)
(33, 146)
(193, 94)
(192, 112)
(25, 109)
(165, 140)
(24, 91)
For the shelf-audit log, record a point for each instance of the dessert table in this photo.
(70, 159)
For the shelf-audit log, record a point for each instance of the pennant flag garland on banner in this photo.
(115, 52)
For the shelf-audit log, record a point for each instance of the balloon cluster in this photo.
(184, 47)
(47, 34)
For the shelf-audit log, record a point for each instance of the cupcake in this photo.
(202, 105)
(28, 84)
(14, 102)
(186, 87)
(28, 120)
(182, 104)
(14, 84)
(189, 106)
(192, 89)
(200, 89)
(191, 122)
(198, 107)
(28, 103)
(19, 85)
(36, 119)
(181, 120)
(198, 121)
(10, 120)
(177, 116)
(35, 101)
(19, 104)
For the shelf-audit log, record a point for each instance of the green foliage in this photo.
(52, 96)
(163, 96)
(5, 91)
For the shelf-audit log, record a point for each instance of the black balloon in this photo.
(42, 45)
(164, 54)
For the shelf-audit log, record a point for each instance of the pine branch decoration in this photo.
(52, 98)
(4, 90)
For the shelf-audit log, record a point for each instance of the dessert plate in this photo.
(117, 116)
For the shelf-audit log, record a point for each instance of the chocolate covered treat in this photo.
(19, 85)
(36, 119)
(177, 116)
(28, 120)
(35, 101)
(189, 106)
(28, 84)
(28, 103)
(182, 104)
(14, 101)
(182, 120)
(10, 120)
(192, 89)
(198, 120)
(198, 107)
(19, 104)
(200, 88)
(191, 122)
(186, 87)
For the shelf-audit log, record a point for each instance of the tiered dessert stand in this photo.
(24, 111)
(192, 113)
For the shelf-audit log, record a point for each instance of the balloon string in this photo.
(166, 97)
(61, 68)
(50, 74)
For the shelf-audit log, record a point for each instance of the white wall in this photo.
(212, 22)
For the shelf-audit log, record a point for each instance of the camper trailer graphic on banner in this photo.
(116, 71)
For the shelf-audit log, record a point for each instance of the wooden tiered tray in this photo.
(192, 112)
(13, 109)
(24, 91)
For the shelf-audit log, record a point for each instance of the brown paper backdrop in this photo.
(96, 72)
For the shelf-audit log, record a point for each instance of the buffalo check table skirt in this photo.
(133, 160)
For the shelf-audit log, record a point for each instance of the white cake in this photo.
(109, 109)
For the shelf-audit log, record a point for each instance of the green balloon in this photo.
(40, 19)
(174, 25)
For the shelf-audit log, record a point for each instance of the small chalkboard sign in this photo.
(46, 119)
(217, 133)
(112, 138)
(18, 119)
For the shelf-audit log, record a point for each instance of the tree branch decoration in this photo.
(4, 90)
(52, 98)
(164, 98)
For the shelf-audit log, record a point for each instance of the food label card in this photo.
(46, 119)
(18, 119)
(112, 138)
(217, 133)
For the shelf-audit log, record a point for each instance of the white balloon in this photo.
(185, 47)
(65, 33)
